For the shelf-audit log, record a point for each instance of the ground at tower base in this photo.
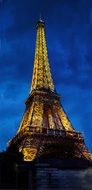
(18, 174)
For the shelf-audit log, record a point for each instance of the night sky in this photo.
(68, 26)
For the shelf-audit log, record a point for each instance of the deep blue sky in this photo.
(68, 25)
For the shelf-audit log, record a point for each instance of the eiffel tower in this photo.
(45, 130)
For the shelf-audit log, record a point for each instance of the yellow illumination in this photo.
(41, 72)
(29, 154)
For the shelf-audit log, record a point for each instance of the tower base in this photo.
(62, 148)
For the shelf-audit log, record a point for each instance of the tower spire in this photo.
(40, 17)
(41, 72)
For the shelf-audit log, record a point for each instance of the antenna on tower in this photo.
(40, 17)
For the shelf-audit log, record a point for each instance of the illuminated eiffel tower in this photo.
(45, 130)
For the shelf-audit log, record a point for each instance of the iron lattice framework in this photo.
(45, 128)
